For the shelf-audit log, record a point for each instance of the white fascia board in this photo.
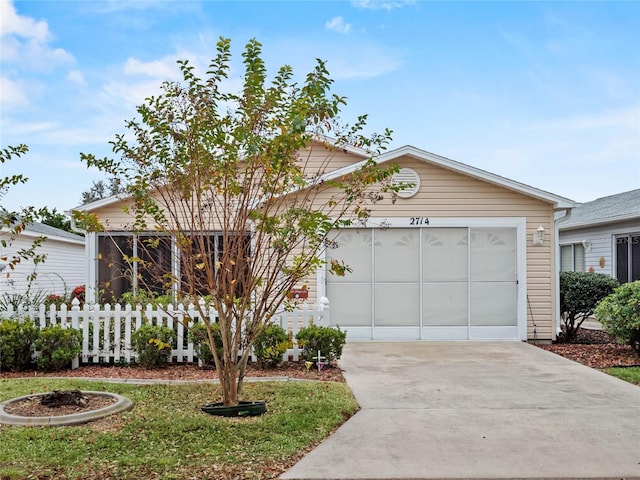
(31, 234)
(103, 202)
(604, 221)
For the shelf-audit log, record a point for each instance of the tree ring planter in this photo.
(243, 409)
(121, 404)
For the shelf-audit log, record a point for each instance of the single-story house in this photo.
(63, 269)
(603, 236)
(462, 254)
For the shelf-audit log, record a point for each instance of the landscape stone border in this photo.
(122, 404)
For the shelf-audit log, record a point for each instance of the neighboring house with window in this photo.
(63, 269)
(464, 255)
(603, 236)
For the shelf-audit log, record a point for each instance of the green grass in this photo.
(167, 436)
(628, 374)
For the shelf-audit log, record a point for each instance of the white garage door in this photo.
(426, 283)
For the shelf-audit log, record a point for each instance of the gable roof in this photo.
(53, 232)
(614, 208)
(557, 201)
(37, 229)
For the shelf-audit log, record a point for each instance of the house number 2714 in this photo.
(418, 220)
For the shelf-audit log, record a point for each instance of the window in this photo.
(127, 262)
(572, 258)
(628, 258)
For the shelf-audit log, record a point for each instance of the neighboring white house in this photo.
(603, 236)
(62, 271)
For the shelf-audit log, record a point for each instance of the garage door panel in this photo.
(445, 304)
(493, 254)
(445, 254)
(493, 304)
(350, 304)
(397, 304)
(354, 248)
(395, 254)
(428, 282)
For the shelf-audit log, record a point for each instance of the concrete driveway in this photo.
(478, 410)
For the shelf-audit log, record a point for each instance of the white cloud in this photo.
(126, 96)
(11, 94)
(25, 41)
(382, 4)
(338, 24)
(164, 69)
(76, 77)
(13, 24)
(366, 62)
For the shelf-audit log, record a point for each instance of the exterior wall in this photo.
(62, 271)
(602, 240)
(447, 194)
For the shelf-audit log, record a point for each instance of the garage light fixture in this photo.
(538, 237)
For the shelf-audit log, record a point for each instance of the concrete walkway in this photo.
(476, 410)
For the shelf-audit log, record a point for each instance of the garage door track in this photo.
(478, 410)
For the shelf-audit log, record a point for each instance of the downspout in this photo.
(90, 271)
(556, 222)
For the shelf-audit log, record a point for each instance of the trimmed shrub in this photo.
(328, 340)
(17, 338)
(153, 345)
(57, 347)
(619, 314)
(580, 293)
(198, 335)
(271, 344)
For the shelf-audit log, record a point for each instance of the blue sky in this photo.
(544, 93)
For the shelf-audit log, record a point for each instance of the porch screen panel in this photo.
(351, 294)
(445, 263)
(397, 276)
(154, 268)
(622, 259)
(493, 277)
(635, 258)
(114, 273)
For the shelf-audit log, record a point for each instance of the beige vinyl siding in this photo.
(322, 159)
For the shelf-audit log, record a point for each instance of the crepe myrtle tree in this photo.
(13, 223)
(201, 160)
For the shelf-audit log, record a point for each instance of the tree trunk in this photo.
(229, 383)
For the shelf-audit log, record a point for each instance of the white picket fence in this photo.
(106, 329)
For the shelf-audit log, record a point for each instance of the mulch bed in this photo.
(185, 372)
(595, 349)
(32, 407)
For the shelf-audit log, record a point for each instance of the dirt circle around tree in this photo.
(29, 411)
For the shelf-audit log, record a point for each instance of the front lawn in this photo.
(167, 436)
(628, 374)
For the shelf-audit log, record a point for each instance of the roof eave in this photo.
(604, 221)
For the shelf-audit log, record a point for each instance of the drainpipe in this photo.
(556, 222)
(89, 253)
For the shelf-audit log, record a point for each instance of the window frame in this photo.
(573, 257)
(632, 256)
